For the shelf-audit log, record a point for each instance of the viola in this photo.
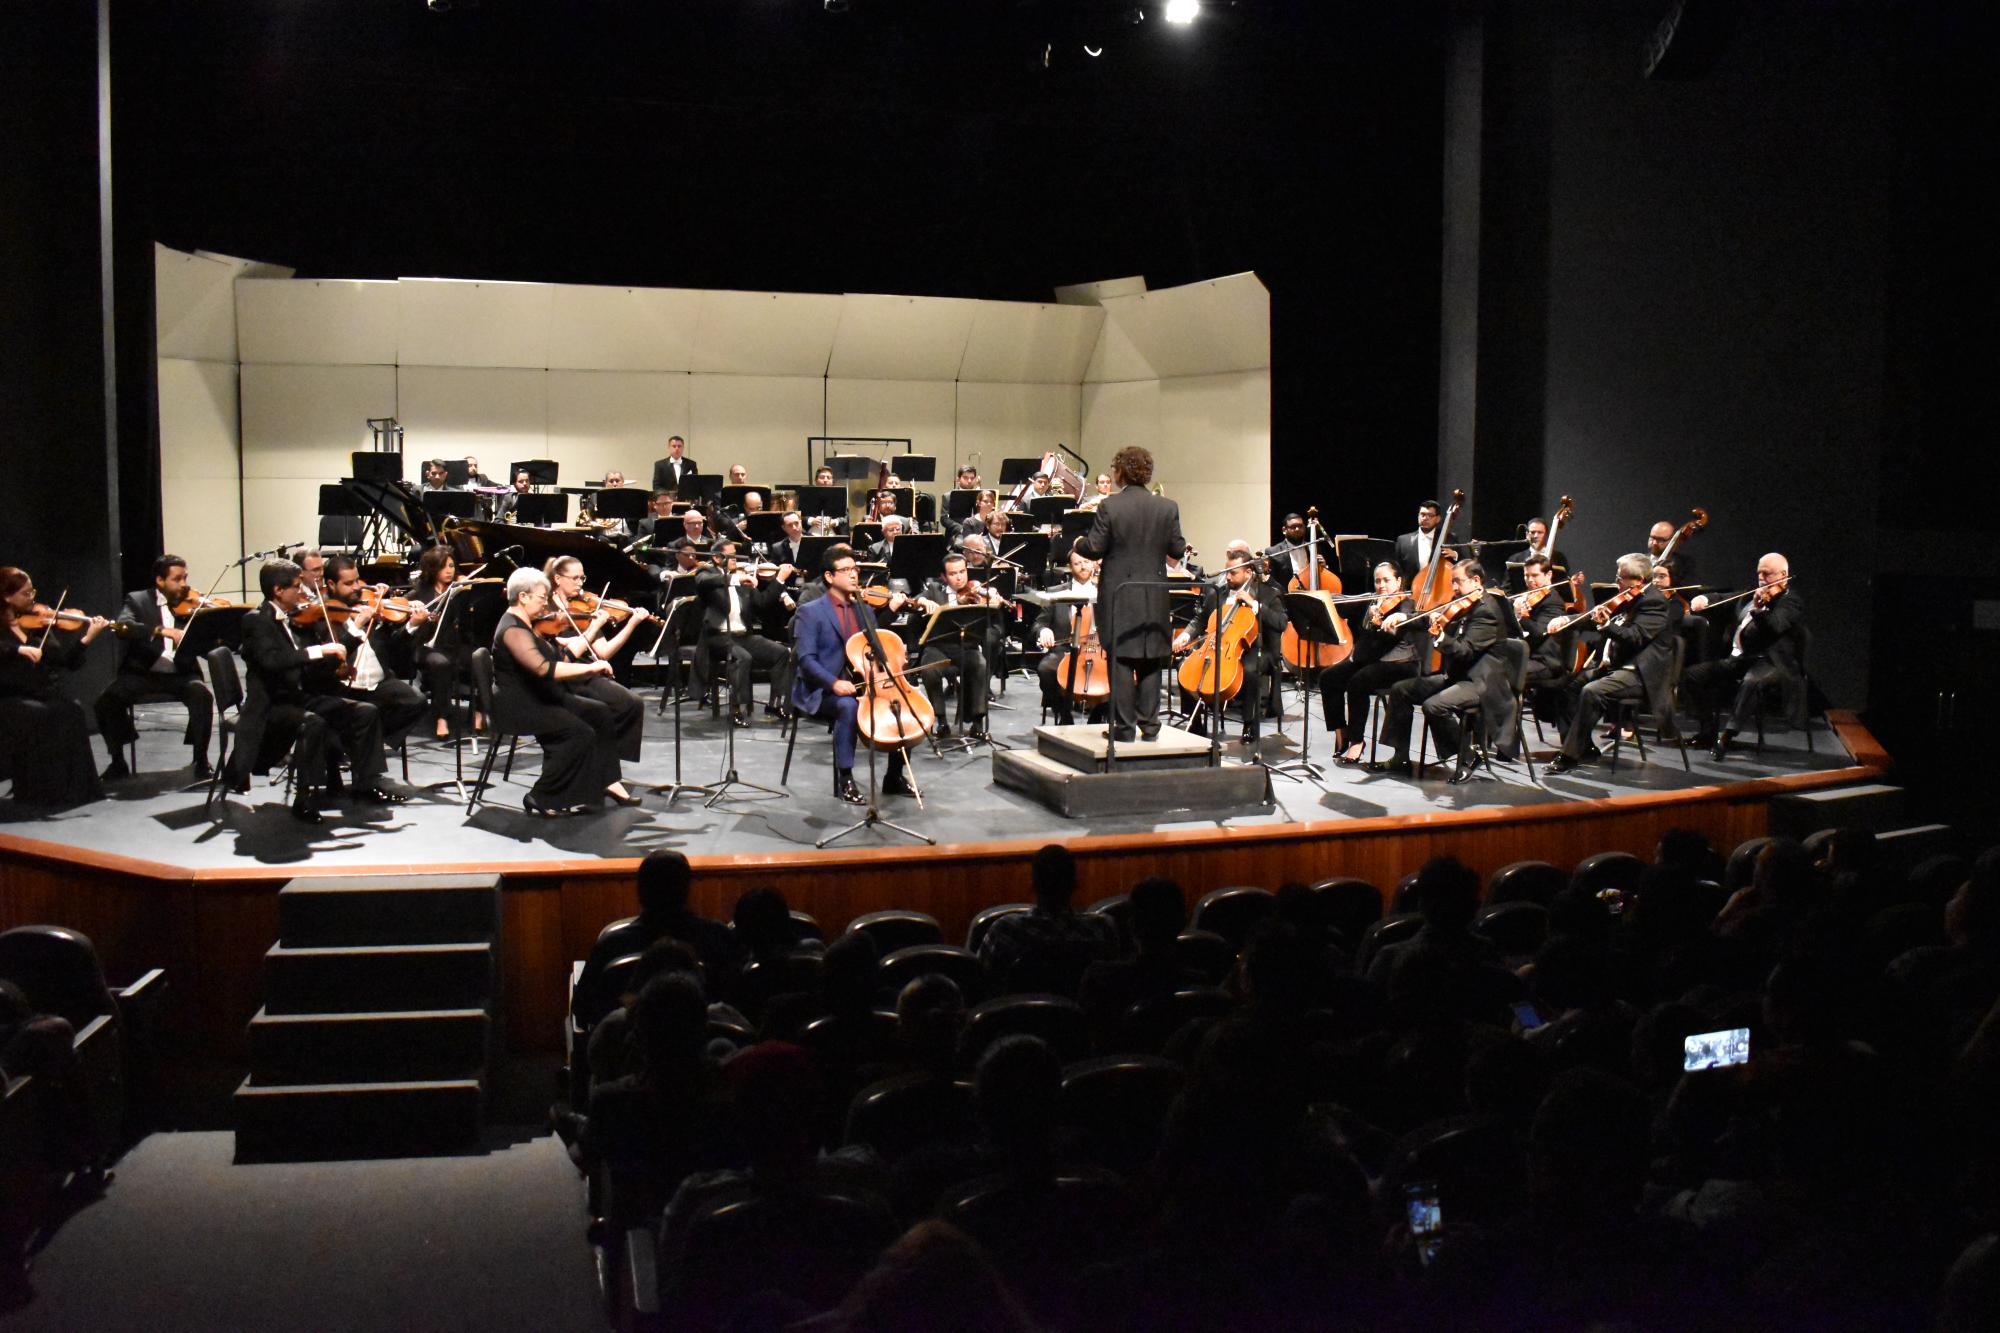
(1442, 616)
(1214, 670)
(892, 713)
(589, 604)
(1085, 671)
(198, 601)
(1316, 577)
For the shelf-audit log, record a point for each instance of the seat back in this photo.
(1405, 897)
(1389, 930)
(1519, 928)
(482, 682)
(1351, 905)
(223, 681)
(57, 969)
(962, 965)
(1120, 1104)
(1117, 909)
(1233, 912)
(806, 927)
(1742, 865)
(1151, 1023)
(1056, 1020)
(1608, 870)
(983, 920)
(1525, 881)
(811, 1247)
(897, 928)
(1207, 953)
(899, 1115)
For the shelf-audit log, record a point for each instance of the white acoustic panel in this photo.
(1214, 448)
(279, 511)
(452, 322)
(622, 328)
(765, 333)
(997, 421)
(502, 416)
(194, 308)
(1017, 343)
(900, 337)
(1094, 293)
(1203, 328)
(198, 419)
(201, 520)
(1117, 414)
(761, 421)
(1214, 513)
(606, 419)
(304, 421)
(894, 409)
(316, 321)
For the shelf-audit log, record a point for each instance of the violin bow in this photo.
(43, 642)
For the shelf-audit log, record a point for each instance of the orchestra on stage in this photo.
(889, 613)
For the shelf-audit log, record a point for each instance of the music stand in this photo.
(919, 557)
(905, 498)
(812, 552)
(450, 504)
(541, 511)
(822, 502)
(1014, 471)
(765, 527)
(368, 465)
(960, 623)
(852, 467)
(866, 535)
(361, 523)
(1050, 508)
(1030, 550)
(1312, 618)
(673, 626)
(733, 494)
(914, 468)
(959, 504)
(455, 473)
(541, 471)
(630, 503)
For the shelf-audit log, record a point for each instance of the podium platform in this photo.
(1067, 772)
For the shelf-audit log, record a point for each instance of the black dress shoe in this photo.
(376, 796)
(1562, 763)
(1399, 766)
(1720, 750)
(740, 718)
(845, 788)
(236, 782)
(628, 800)
(1465, 772)
(897, 785)
(1703, 740)
(202, 768)
(116, 770)
(534, 805)
(303, 811)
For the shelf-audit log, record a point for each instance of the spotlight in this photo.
(1182, 11)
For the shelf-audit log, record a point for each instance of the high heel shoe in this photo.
(626, 800)
(534, 805)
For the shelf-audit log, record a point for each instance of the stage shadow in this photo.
(151, 786)
(624, 831)
(267, 833)
(1351, 806)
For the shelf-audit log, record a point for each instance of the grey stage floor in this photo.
(158, 816)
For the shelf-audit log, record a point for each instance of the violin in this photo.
(891, 713)
(1214, 670)
(199, 601)
(1316, 577)
(589, 604)
(1532, 598)
(68, 620)
(325, 610)
(1442, 616)
(1605, 609)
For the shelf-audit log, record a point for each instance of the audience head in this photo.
(670, 1019)
(930, 1014)
(853, 963)
(776, 1094)
(934, 1277)
(1685, 849)
(1447, 893)
(1016, 1089)
(663, 956)
(1159, 913)
(1972, 1285)
(1054, 874)
(664, 877)
(1786, 878)
(763, 921)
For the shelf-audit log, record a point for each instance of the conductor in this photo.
(1137, 535)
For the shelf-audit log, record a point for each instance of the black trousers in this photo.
(399, 703)
(45, 748)
(628, 715)
(1248, 701)
(1404, 697)
(1593, 700)
(1549, 689)
(440, 669)
(740, 653)
(304, 727)
(1733, 683)
(1135, 696)
(1346, 687)
(580, 736)
(114, 706)
(973, 678)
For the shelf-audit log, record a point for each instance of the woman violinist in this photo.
(537, 690)
(581, 622)
(442, 652)
(1385, 651)
(44, 737)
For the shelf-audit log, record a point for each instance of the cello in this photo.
(1432, 586)
(1302, 653)
(1085, 670)
(889, 714)
(1214, 670)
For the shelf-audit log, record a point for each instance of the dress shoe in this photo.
(846, 790)
(740, 718)
(236, 782)
(376, 796)
(1346, 762)
(116, 770)
(1250, 735)
(303, 810)
(534, 805)
(202, 768)
(1466, 770)
(1398, 766)
(1703, 740)
(1150, 736)
(896, 784)
(1720, 750)
(1562, 763)
(980, 733)
(779, 711)
(1122, 737)
(628, 800)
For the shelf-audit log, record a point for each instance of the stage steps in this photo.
(1068, 772)
(378, 1023)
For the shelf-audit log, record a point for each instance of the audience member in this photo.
(663, 882)
(1050, 946)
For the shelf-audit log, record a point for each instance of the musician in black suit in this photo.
(788, 552)
(1053, 635)
(508, 508)
(292, 698)
(1466, 653)
(1385, 652)
(1535, 535)
(1244, 586)
(150, 668)
(675, 468)
(1136, 535)
(973, 655)
(1291, 554)
(892, 528)
(1767, 649)
(378, 652)
(1413, 549)
(1639, 645)
(1549, 654)
(732, 607)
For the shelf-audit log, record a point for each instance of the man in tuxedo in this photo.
(675, 468)
(1242, 586)
(508, 509)
(1136, 535)
(151, 667)
(1767, 649)
(659, 526)
(821, 688)
(892, 528)
(1413, 549)
(292, 698)
(1641, 638)
(379, 653)
(1548, 654)
(1291, 554)
(1468, 659)
(732, 608)
(789, 549)
(973, 655)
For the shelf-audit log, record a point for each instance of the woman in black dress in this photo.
(44, 737)
(535, 691)
(442, 653)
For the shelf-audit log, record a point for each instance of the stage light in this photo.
(1092, 51)
(835, 6)
(1182, 11)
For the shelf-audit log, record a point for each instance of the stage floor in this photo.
(158, 817)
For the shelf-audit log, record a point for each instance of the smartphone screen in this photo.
(1715, 1050)
(1425, 1217)
(1526, 1015)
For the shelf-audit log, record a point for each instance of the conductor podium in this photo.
(1069, 772)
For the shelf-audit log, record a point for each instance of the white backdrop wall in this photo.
(599, 377)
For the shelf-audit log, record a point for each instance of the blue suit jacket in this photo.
(822, 650)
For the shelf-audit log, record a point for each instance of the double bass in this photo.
(1302, 653)
(1432, 586)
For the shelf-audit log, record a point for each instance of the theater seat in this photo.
(961, 965)
(1608, 870)
(1151, 1023)
(1233, 913)
(896, 928)
(1056, 1020)
(1206, 953)
(1526, 881)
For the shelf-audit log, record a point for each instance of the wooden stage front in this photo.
(209, 927)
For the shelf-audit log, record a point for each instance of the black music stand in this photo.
(1030, 550)
(959, 504)
(866, 535)
(852, 467)
(959, 623)
(765, 527)
(450, 504)
(367, 465)
(455, 472)
(812, 553)
(823, 502)
(1051, 508)
(630, 503)
(673, 626)
(1312, 619)
(905, 498)
(873, 818)
(919, 557)
(1014, 471)
(733, 494)
(541, 511)
(914, 468)
(541, 471)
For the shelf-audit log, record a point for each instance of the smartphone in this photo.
(1716, 1050)
(1526, 1015)
(1424, 1216)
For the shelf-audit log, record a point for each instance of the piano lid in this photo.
(473, 541)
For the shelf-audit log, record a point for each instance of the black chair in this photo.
(1389, 930)
(613, 983)
(870, 1036)
(1608, 870)
(1056, 1020)
(57, 969)
(1150, 1024)
(1405, 897)
(1627, 713)
(1351, 905)
(1525, 881)
(806, 927)
(983, 920)
(482, 689)
(1513, 654)
(905, 965)
(899, 1115)
(896, 928)
(1042, 1233)
(1233, 913)
(1119, 1103)
(809, 1246)
(1117, 909)
(227, 687)
(1742, 864)
(1519, 928)
(1207, 954)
